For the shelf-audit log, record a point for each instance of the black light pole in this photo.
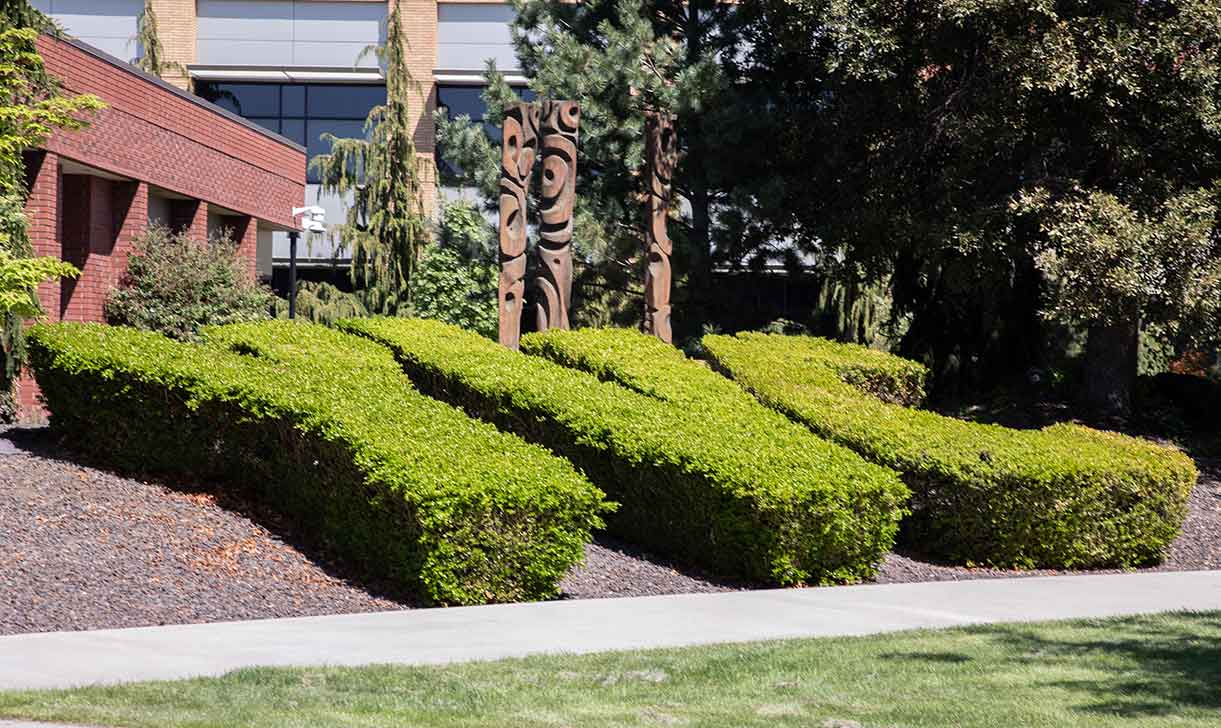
(292, 274)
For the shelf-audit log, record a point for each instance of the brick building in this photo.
(296, 66)
(156, 154)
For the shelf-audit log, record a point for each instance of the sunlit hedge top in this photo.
(1065, 495)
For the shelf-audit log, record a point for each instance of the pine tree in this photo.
(152, 59)
(386, 228)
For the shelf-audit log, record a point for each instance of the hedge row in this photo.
(739, 490)
(1065, 496)
(325, 428)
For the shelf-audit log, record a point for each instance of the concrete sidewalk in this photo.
(431, 636)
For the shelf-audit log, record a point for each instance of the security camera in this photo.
(311, 211)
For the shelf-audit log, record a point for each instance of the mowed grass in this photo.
(1141, 671)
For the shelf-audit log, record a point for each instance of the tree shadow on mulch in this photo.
(44, 443)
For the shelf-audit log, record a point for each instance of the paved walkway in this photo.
(432, 636)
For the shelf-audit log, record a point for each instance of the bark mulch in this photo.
(84, 548)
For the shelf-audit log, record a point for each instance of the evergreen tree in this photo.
(152, 58)
(386, 229)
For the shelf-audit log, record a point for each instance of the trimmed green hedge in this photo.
(324, 427)
(1065, 496)
(740, 490)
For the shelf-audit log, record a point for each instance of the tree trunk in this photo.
(1110, 368)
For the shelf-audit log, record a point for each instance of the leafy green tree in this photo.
(386, 229)
(981, 155)
(177, 286)
(31, 109)
(19, 279)
(458, 277)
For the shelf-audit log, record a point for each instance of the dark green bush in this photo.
(325, 428)
(739, 490)
(176, 285)
(1063, 496)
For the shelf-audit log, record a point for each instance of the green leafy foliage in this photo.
(323, 303)
(31, 108)
(920, 125)
(1064, 496)
(19, 279)
(730, 486)
(1109, 263)
(176, 285)
(457, 290)
(325, 428)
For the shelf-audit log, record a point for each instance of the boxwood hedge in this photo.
(325, 428)
(1063, 496)
(739, 490)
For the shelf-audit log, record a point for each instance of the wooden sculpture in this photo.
(558, 125)
(516, 166)
(660, 157)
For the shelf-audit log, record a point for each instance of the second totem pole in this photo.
(661, 155)
(550, 131)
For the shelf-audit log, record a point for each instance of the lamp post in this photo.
(313, 220)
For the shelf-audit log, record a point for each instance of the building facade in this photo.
(155, 154)
(300, 68)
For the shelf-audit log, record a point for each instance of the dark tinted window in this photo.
(301, 112)
(292, 100)
(245, 99)
(342, 102)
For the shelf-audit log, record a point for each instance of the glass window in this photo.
(342, 102)
(268, 124)
(244, 99)
(301, 112)
(292, 100)
(294, 129)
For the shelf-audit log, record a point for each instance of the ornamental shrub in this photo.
(738, 490)
(1065, 496)
(177, 285)
(325, 428)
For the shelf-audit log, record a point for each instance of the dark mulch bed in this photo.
(84, 548)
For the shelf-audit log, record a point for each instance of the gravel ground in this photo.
(84, 548)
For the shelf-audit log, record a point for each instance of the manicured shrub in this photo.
(739, 490)
(324, 427)
(176, 285)
(1063, 496)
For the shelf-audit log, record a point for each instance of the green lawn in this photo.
(1156, 670)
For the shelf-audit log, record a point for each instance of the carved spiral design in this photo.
(559, 124)
(518, 150)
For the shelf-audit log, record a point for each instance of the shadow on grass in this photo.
(44, 443)
(1157, 666)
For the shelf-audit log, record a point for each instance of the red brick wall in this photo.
(152, 136)
(150, 133)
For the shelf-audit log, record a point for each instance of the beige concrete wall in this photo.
(420, 29)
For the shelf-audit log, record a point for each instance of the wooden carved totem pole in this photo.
(516, 166)
(661, 156)
(558, 127)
